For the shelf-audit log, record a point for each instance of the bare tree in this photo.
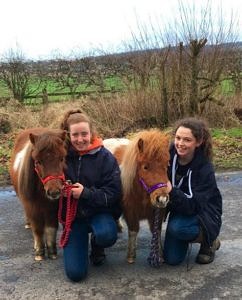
(233, 69)
(16, 74)
(191, 72)
(79, 73)
(203, 47)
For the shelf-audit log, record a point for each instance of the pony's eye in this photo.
(146, 167)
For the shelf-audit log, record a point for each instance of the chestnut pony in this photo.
(36, 171)
(143, 162)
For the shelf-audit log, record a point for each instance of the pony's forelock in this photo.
(155, 141)
(49, 144)
(156, 145)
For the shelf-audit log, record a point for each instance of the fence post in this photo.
(45, 99)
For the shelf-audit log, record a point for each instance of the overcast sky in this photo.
(42, 27)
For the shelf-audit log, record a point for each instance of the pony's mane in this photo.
(155, 148)
(26, 178)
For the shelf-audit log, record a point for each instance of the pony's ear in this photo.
(33, 138)
(141, 145)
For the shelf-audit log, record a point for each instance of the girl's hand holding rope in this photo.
(76, 190)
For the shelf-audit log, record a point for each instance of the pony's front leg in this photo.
(50, 234)
(119, 225)
(132, 243)
(27, 222)
(133, 229)
(27, 218)
(39, 245)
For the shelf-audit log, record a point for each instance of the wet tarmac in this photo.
(22, 278)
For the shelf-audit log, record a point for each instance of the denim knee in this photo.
(184, 228)
(106, 239)
(76, 275)
(173, 260)
(104, 229)
(173, 228)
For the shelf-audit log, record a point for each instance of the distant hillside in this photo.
(124, 56)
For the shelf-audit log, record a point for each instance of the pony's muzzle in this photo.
(53, 195)
(161, 201)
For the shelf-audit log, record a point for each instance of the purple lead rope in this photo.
(155, 260)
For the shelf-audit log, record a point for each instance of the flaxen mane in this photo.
(25, 175)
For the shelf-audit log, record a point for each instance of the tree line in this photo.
(178, 71)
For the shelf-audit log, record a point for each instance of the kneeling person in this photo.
(95, 174)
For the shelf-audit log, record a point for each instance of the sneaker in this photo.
(206, 254)
(97, 256)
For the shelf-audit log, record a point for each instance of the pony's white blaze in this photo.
(112, 144)
(18, 161)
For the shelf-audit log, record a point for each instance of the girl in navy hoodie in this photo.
(195, 201)
(95, 175)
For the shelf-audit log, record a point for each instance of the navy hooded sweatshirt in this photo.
(99, 173)
(195, 192)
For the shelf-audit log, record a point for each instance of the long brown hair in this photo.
(200, 131)
(73, 117)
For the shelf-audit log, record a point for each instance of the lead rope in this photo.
(155, 259)
(71, 210)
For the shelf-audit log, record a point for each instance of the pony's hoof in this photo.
(27, 226)
(52, 256)
(130, 260)
(52, 252)
(39, 257)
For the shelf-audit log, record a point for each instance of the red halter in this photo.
(49, 177)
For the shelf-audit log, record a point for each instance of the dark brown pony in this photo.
(36, 171)
(143, 162)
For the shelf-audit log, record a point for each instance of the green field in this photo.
(113, 83)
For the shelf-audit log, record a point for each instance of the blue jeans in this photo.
(103, 227)
(180, 231)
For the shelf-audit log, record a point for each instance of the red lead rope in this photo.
(71, 209)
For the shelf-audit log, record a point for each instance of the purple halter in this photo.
(149, 190)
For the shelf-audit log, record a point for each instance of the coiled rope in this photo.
(71, 209)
